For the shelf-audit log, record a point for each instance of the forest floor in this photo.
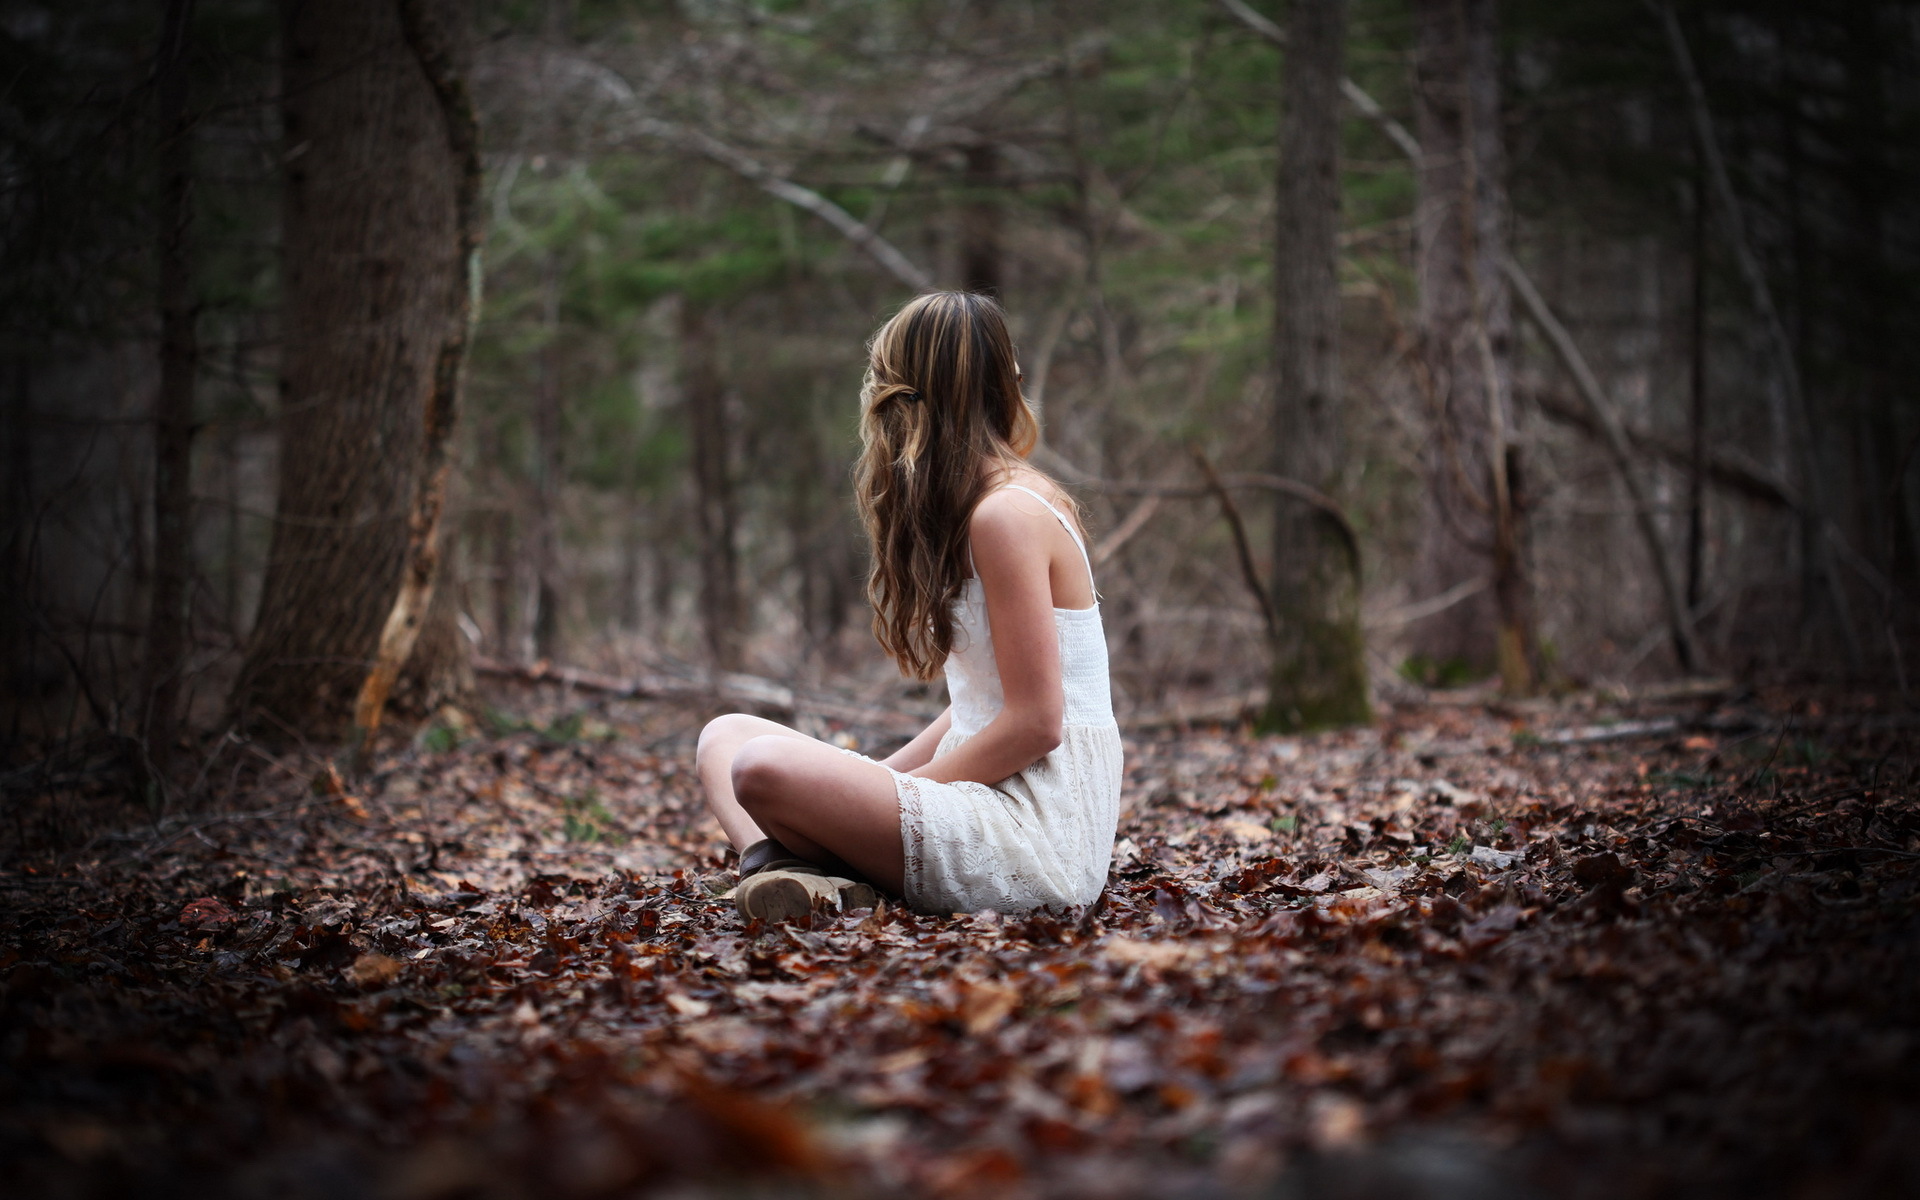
(1582, 948)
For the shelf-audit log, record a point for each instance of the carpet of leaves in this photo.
(1449, 955)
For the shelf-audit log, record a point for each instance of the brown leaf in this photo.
(328, 782)
(984, 1005)
(374, 969)
(208, 912)
(1594, 870)
(763, 1136)
(1128, 951)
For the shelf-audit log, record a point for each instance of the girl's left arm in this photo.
(1010, 553)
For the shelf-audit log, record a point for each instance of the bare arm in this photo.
(1011, 553)
(919, 751)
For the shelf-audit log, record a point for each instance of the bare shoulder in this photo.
(1007, 515)
(1006, 499)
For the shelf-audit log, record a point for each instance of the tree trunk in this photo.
(980, 222)
(435, 43)
(547, 468)
(369, 197)
(1697, 395)
(20, 678)
(166, 641)
(706, 402)
(1472, 525)
(1319, 669)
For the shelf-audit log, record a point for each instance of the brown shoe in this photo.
(855, 893)
(769, 855)
(778, 895)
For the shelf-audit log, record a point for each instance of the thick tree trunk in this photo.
(1473, 524)
(706, 402)
(370, 197)
(166, 641)
(436, 43)
(1319, 669)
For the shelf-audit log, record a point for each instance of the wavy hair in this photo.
(941, 413)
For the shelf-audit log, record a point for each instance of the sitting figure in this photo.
(1009, 799)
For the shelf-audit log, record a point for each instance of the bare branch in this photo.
(1355, 94)
(1731, 473)
(1420, 610)
(1133, 523)
(762, 176)
(882, 251)
(1248, 571)
(1603, 415)
(1311, 497)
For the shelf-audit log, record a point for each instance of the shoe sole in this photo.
(855, 894)
(776, 896)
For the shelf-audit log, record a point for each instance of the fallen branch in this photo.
(1589, 734)
(750, 691)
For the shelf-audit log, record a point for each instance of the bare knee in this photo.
(718, 737)
(759, 771)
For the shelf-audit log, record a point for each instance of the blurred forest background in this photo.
(1591, 363)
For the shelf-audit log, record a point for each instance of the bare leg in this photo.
(823, 805)
(713, 762)
(765, 780)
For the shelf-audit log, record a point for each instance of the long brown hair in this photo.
(941, 415)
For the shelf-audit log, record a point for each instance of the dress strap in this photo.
(1068, 526)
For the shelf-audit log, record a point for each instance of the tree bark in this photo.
(1788, 406)
(435, 42)
(1473, 514)
(548, 422)
(980, 221)
(1318, 676)
(166, 641)
(370, 192)
(712, 484)
(1697, 395)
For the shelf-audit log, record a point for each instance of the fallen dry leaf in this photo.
(374, 969)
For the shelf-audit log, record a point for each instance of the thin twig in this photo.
(1248, 571)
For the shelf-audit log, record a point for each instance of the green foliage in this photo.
(1679, 781)
(1443, 673)
(585, 819)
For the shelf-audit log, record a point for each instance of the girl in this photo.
(1008, 801)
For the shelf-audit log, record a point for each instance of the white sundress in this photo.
(1042, 837)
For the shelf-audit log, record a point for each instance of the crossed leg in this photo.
(765, 780)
